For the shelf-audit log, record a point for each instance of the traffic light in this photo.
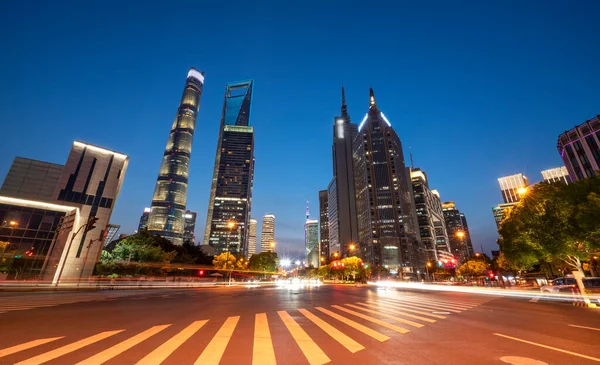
(200, 272)
(91, 224)
(366, 266)
(29, 253)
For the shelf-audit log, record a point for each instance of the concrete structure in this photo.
(31, 180)
(510, 186)
(144, 219)
(579, 149)
(557, 174)
(387, 226)
(231, 190)
(252, 237)
(311, 242)
(170, 195)
(344, 231)
(189, 227)
(324, 225)
(267, 238)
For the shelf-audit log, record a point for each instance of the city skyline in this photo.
(418, 101)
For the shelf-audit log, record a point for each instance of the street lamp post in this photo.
(427, 266)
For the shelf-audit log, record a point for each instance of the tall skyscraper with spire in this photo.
(387, 222)
(231, 191)
(170, 195)
(342, 204)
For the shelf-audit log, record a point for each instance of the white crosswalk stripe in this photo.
(348, 324)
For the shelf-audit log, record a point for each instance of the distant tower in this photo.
(267, 239)
(189, 228)
(252, 237)
(233, 175)
(324, 225)
(144, 219)
(170, 194)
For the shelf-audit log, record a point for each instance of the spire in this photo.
(344, 106)
(372, 94)
(307, 215)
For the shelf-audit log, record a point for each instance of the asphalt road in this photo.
(328, 324)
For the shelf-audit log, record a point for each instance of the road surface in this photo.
(334, 324)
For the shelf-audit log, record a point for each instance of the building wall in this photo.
(332, 218)
(31, 180)
(580, 149)
(311, 242)
(510, 185)
(454, 224)
(189, 227)
(557, 174)
(323, 224)
(268, 233)
(252, 237)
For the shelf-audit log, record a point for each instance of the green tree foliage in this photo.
(352, 266)
(553, 221)
(264, 261)
(225, 261)
(473, 268)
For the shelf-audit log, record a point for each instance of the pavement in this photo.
(335, 324)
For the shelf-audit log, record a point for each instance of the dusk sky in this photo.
(475, 90)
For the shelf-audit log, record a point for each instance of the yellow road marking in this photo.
(549, 347)
(262, 352)
(357, 326)
(159, 354)
(430, 307)
(213, 353)
(336, 334)
(397, 319)
(51, 355)
(374, 320)
(311, 350)
(104, 356)
(587, 328)
(402, 306)
(402, 313)
(27, 345)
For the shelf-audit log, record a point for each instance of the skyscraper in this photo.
(252, 237)
(144, 219)
(387, 227)
(170, 194)
(267, 238)
(311, 242)
(580, 149)
(343, 200)
(557, 174)
(511, 187)
(189, 227)
(231, 190)
(458, 233)
(323, 225)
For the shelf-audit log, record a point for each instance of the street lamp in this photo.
(272, 245)
(352, 247)
(427, 269)
(522, 190)
(460, 234)
(335, 254)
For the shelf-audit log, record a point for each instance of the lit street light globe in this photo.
(522, 190)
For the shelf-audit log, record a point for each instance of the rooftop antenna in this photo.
(412, 164)
(307, 208)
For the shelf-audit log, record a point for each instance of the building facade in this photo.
(579, 149)
(557, 174)
(110, 233)
(387, 228)
(332, 219)
(252, 237)
(323, 225)
(510, 186)
(344, 211)
(311, 242)
(267, 237)
(231, 191)
(458, 232)
(170, 195)
(144, 219)
(189, 227)
(31, 180)
(501, 211)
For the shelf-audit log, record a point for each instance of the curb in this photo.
(584, 304)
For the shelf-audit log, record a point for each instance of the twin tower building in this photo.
(230, 201)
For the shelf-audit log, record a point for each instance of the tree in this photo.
(264, 261)
(224, 261)
(472, 268)
(352, 266)
(140, 252)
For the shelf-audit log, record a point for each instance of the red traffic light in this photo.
(29, 253)
(200, 272)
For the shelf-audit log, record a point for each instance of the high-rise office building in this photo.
(311, 242)
(170, 194)
(144, 219)
(267, 237)
(323, 225)
(343, 233)
(332, 218)
(442, 242)
(430, 216)
(501, 211)
(387, 227)
(189, 227)
(231, 191)
(31, 179)
(458, 232)
(579, 149)
(557, 174)
(252, 237)
(512, 187)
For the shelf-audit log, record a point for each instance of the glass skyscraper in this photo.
(170, 195)
(231, 190)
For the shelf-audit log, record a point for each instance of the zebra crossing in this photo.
(354, 325)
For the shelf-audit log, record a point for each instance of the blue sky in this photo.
(476, 90)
